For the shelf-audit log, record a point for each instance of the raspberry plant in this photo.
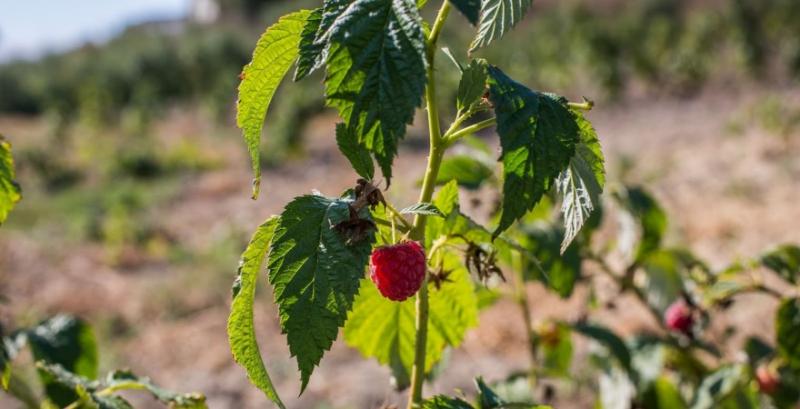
(378, 61)
(378, 57)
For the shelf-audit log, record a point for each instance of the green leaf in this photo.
(538, 134)
(122, 380)
(557, 352)
(468, 171)
(315, 274)
(663, 270)
(472, 85)
(274, 54)
(377, 72)
(662, 394)
(428, 209)
(581, 184)
(615, 345)
(647, 214)
(355, 152)
(241, 330)
(787, 324)
(445, 402)
(385, 330)
(717, 386)
(309, 51)
(558, 271)
(497, 17)
(66, 341)
(471, 9)
(10, 192)
(785, 261)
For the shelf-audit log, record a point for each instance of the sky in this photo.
(29, 28)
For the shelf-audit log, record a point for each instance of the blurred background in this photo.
(137, 185)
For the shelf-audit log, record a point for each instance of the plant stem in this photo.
(437, 148)
(470, 129)
(521, 296)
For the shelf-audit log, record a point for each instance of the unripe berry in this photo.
(398, 270)
(767, 379)
(679, 318)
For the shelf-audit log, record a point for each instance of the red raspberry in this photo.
(678, 317)
(767, 379)
(398, 270)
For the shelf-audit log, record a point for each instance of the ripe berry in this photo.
(678, 317)
(768, 381)
(398, 270)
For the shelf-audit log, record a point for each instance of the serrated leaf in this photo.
(385, 330)
(241, 330)
(472, 85)
(604, 336)
(315, 274)
(274, 54)
(538, 134)
(309, 50)
(376, 72)
(355, 152)
(10, 192)
(464, 169)
(581, 183)
(471, 9)
(497, 17)
(561, 271)
(647, 214)
(68, 342)
(787, 331)
(785, 261)
(428, 209)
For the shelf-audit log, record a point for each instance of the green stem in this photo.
(521, 296)
(437, 148)
(486, 123)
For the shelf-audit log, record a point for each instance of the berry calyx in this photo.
(398, 270)
(678, 317)
(768, 380)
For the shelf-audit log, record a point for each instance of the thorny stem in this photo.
(437, 148)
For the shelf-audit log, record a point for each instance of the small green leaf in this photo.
(647, 214)
(561, 271)
(472, 86)
(309, 51)
(10, 192)
(376, 72)
(468, 171)
(66, 341)
(616, 346)
(355, 152)
(788, 331)
(662, 394)
(122, 380)
(557, 352)
(581, 184)
(664, 270)
(428, 209)
(275, 52)
(385, 330)
(241, 330)
(315, 274)
(538, 134)
(445, 402)
(785, 261)
(717, 386)
(471, 9)
(497, 17)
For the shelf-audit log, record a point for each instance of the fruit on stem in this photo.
(398, 270)
(679, 317)
(768, 379)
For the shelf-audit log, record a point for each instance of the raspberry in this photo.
(678, 317)
(398, 270)
(767, 379)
